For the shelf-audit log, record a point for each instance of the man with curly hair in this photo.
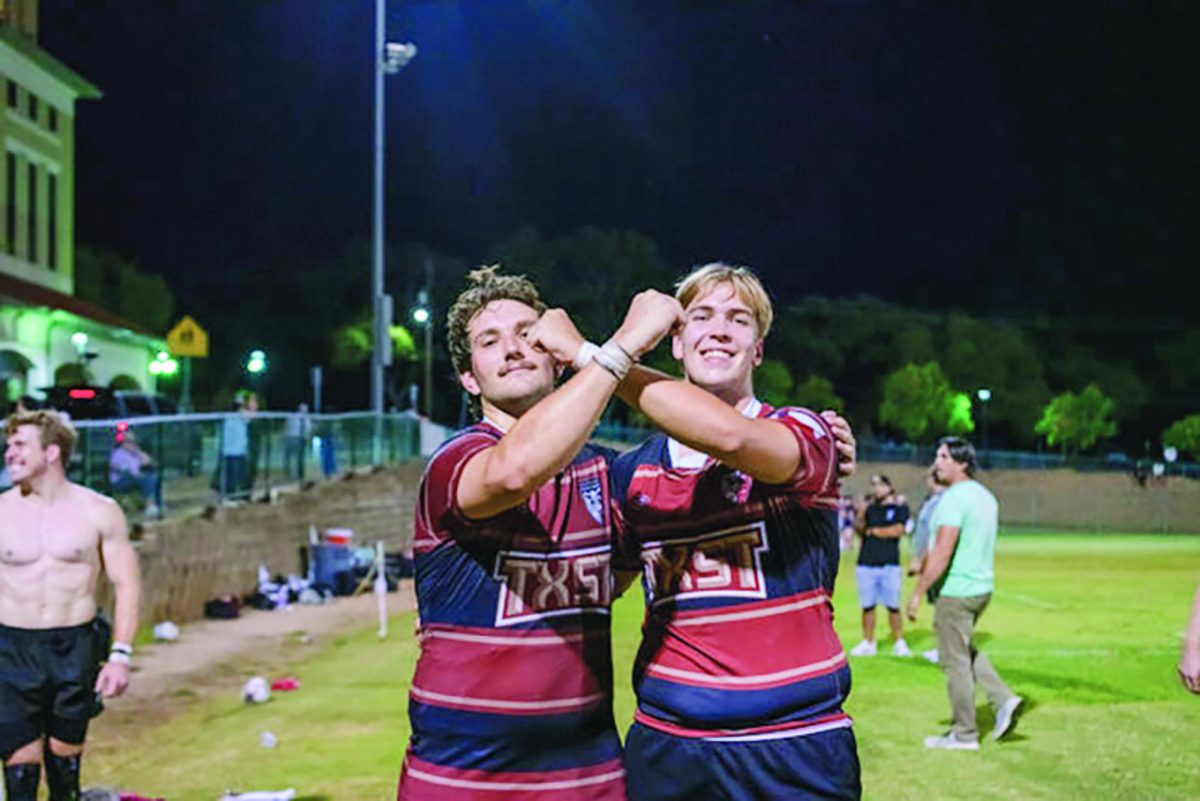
(512, 693)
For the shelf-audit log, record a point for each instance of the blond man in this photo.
(56, 540)
(732, 512)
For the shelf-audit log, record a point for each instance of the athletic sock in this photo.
(62, 774)
(21, 781)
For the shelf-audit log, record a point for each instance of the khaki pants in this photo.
(954, 621)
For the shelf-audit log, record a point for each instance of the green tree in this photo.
(816, 392)
(1074, 422)
(352, 343)
(591, 272)
(1184, 435)
(773, 383)
(119, 286)
(958, 414)
(918, 401)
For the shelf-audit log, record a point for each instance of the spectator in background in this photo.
(922, 532)
(878, 572)
(961, 564)
(235, 445)
(848, 507)
(254, 441)
(130, 469)
(922, 536)
(297, 433)
(1189, 660)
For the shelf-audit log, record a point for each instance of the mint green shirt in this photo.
(970, 507)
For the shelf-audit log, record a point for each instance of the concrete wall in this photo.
(186, 562)
(1066, 498)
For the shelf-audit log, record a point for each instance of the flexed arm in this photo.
(546, 438)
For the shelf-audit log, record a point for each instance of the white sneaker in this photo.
(152, 510)
(931, 656)
(900, 648)
(950, 742)
(1006, 717)
(864, 648)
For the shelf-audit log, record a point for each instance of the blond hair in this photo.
(486, 286)
(747, 285)
(53, 429)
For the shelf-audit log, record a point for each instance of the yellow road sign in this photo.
(187, 338)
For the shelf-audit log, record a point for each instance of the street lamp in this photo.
(163, 364)
(985, 395)
(390, 58)
(424, 318)
(257, 363)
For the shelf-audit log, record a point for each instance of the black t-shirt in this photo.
(881, 551)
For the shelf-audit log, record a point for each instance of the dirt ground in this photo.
(217, 656)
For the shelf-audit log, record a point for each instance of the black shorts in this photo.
(47, 683)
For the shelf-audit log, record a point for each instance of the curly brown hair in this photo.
(485, 285)
(53, 429)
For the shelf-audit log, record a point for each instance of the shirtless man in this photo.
(56, 538)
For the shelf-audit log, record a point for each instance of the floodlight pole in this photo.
(380, 334)
(388, 59)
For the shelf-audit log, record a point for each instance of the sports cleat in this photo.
(950, 742)
(931, 656)
(1006, 717)
(864, 648)
(900, 648)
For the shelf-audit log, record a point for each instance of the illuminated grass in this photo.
(1086, 627)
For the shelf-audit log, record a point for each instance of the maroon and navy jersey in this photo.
(512, 693)
(738, 639)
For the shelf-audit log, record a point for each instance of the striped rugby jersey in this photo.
(738, 642)
(512, 695)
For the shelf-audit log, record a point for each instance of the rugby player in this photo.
(56, 540)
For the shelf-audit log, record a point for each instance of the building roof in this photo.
(49, 64)
(26, 293)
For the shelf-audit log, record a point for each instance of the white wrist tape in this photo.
(613, 358)
(121, 652)
(587, 352)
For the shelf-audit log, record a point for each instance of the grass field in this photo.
(1087, 628)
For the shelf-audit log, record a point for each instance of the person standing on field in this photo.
(960, 566)
(878, 572)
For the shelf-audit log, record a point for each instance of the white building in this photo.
(46, 333)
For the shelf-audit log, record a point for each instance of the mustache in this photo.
(521, 365)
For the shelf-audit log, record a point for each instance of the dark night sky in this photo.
(999, 157)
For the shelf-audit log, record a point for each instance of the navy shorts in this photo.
(662, 766)
(47, 683)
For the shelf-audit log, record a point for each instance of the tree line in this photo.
(897, 372)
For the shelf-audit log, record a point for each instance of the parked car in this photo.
(175, 445)
(102, 403)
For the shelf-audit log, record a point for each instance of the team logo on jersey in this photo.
(536, 585)
(592, 492)
(725, 563)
